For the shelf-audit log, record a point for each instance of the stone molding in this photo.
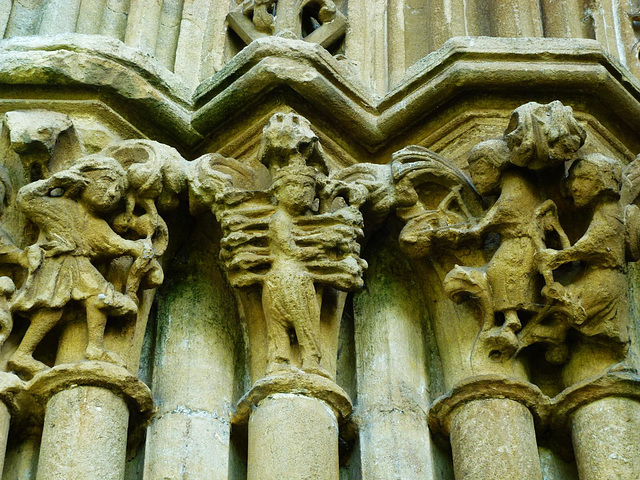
(485, 387)
(574, 68)
(305, 384)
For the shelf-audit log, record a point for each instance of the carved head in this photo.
(592, 176)
(487, 161)
(106, 182)
(295, 188)
(540, 136)
(288, 140)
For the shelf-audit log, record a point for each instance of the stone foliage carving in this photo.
(291, 238)
(542, 275)
(100, 237)
(315, 21)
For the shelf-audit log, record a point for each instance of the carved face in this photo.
(584, 183)
(104, 191)
(296, 194)
(485, 176)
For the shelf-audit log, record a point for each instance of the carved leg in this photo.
(278, 312)
(22, 360)
(278, 347)
(308, 329)
(96, 323)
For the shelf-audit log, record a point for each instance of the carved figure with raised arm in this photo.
(70, 208)
(598, 284)
(292, 237)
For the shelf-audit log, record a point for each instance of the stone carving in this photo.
(293, 238)
(315, 21)
(537, 280)
(36, 136)
(10, 255)
(92, 217)
(595, 300)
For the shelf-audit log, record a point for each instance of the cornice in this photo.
(156, 100)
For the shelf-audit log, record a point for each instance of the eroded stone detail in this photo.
(292, 238)
(536, 243)
(95, 248)
(35, 136)
(315, 21)
(538, 281)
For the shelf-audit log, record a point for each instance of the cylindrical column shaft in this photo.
(193, 387)
(5, 421)
(494, 438)
(84, 435)
(606, 438)
(59, 16)
(114, 19)
(292, 437)
(515, 18)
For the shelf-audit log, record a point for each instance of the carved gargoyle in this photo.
(292, 238)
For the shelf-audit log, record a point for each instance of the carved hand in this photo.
(31, 257)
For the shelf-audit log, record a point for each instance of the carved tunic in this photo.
(601, 286)
(512, 269)
(74, 236)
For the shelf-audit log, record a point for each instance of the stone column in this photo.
(293, 421)
(84, 435)
(193, 387)
(602, 416)
(291, 251)
(86, 419)
(606, 437)
(490, 421)
(10, 386)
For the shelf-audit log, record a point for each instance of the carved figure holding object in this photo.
(69, 209)
(293, 235)
(600, 286)
(509, 278)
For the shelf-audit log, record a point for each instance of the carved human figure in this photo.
(10, 255)
(598, 284)
(288, 290)
(293, 238)
(68, 208)
(510, 277)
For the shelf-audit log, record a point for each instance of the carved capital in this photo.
(509, 245)
(290, 245)
(91, 239)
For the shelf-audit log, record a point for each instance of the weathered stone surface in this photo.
(500, 313)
